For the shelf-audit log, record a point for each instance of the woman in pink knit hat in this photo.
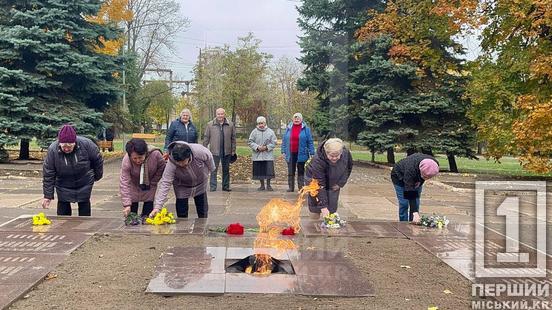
(72, 165)
(408, 176)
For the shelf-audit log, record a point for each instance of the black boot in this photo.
(262, 188)
(268, 187)
(291, 183)
(300, 181)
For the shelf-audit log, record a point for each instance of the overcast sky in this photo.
(219, 22)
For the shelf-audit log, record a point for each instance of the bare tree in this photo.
(286, 98)
(152, 30)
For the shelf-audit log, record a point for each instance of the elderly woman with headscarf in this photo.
(141, 170)
(72, 165)
(188, 171)
(297, 148)
(408, 176)
(331, 167)
(262, 141)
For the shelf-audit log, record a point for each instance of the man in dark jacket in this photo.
(408, 176)
(72, 165)
(220, 137)
(331, 166)
(181, 129)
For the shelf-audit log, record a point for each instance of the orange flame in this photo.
(276, 215)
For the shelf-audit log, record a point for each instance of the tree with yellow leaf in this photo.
(424, 110)
(111, 12)
(512, 85)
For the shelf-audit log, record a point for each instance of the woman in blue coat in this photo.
(297, 148)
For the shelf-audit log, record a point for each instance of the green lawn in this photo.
(507, 166)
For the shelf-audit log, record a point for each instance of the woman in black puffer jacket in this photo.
(72, 165)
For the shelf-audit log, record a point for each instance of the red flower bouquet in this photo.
(235, 229)
(288, 231)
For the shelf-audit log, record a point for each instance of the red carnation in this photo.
(288, 231)
(235, 229)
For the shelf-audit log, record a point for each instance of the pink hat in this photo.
(429, 168)
(67, 134)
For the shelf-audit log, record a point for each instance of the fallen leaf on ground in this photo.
(447, 292)
(405, 266)
(50, 276)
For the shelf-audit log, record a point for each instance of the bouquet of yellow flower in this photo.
(41, 219)
(162, 217)
(333, 220)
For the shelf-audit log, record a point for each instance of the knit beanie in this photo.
(429, 168)
(67, 134)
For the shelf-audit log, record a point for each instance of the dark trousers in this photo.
(146, 208)
(333, 200)
(64, 208)
(225, 172)
(300, 167)
(202, 206)
(406, 213)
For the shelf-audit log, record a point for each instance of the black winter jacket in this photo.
(73, 174)
(406, 172)
(328, 174)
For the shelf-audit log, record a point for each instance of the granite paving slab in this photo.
(16, 268)
(453, 230)
(312, 228)
(50, 243)
(244, 283)
(10, 293)
(59, 224)
(202, 271)
(181, 227)
(171, 283)
(330, 286)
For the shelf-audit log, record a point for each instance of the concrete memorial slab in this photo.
(59, 224)
(243, 283)
(181, 227)
(10, 293)
(18, 268)
(208, 271)
(312, 228)
(50, 243)
(453, 230)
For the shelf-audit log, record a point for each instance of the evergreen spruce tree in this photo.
(49, 71)
(327, 53)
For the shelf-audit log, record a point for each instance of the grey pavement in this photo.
(369, 195)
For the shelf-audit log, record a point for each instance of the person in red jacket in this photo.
(297, 148)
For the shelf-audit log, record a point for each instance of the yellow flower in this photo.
(162, 217)
(41, 219)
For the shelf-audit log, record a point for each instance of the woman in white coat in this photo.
(262, 142)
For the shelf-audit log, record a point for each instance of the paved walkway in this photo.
(368, 197)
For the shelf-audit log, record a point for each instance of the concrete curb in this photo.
(433, 182)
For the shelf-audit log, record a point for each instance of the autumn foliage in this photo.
(111, 11)
(517, 47)
(510, 88)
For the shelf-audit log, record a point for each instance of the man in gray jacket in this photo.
(220, 137)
